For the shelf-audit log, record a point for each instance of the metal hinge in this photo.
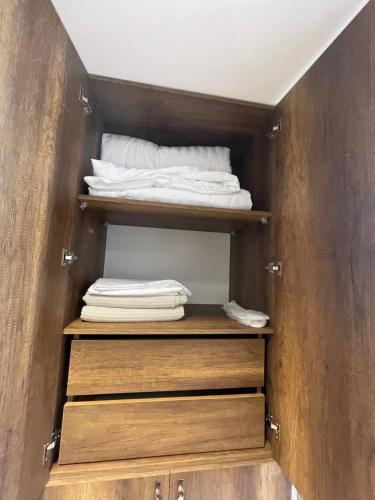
(274, 268)
(274, 426)
(84, 98)
(274, 130)
(68, 257)
(51, 445)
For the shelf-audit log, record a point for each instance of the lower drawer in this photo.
(119, 429)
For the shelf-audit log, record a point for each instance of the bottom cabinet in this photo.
(140, 488)
(256, 482)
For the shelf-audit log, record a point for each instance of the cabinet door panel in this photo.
(256, 482)
(142, 488)
(321, 385)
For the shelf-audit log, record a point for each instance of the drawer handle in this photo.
(180, 490)
(158, 495)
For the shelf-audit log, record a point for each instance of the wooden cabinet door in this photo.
(153, 487)
(251, 482)
(321, 387)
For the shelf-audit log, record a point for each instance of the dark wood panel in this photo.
(259, 482)
(200, 319)
(169, 215)
(175, 117)
(249, 246)
(119, 429)
(42, 135)
(322, 356)
(126, 366)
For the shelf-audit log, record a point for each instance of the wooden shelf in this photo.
(199, 320)
(168, 215)
(61, 474)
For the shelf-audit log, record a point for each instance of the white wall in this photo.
(197, 259)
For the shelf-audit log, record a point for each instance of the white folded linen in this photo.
(246, 317)
(152, 302)
(117, 314)
(138, 153)
(241, 200)
(108, 176)
(136, 288)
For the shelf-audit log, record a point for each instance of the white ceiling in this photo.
(254, 50)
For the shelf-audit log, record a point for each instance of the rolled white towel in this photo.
(246, 317)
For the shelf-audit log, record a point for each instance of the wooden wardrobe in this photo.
(309, 164)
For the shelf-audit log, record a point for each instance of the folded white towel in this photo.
(138, 288)
(108, 176)
(116, 314)
(153, 302)
(138, 153)
(238, 201)
(246, 317)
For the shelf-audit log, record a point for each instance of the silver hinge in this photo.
(274, 426)
(68, 258)
(274, 268)
(274, 130)
(84, 98)
(50, 446)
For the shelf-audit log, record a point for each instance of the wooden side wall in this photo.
(43, 143)
(322, 195)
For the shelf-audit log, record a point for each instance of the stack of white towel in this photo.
(140, 170)
(123, 300)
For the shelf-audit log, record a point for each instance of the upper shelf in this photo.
(169, 215)
(199, 320)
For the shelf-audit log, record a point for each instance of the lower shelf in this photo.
(63, 474)
(200, 319)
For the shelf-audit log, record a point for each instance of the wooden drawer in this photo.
(118, 429)
(127, 366)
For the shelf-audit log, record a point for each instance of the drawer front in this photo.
(119, 429)
(127, 366)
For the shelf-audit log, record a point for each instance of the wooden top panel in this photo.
(199, 320)
(169, 215)
(175, 116)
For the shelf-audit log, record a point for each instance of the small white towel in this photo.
(118, 314)
(136, 288)
(153, 302)
(255, 319)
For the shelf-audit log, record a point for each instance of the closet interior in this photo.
(193, 387)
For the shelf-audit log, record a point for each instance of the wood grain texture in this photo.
(130, 468)
(126, 366)
(249, 248)
(258, 482)
(200, 319)
(322, 356)
(170, 215)
(185, 117)
(42, 133)
(140, 488)
(119, 429)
